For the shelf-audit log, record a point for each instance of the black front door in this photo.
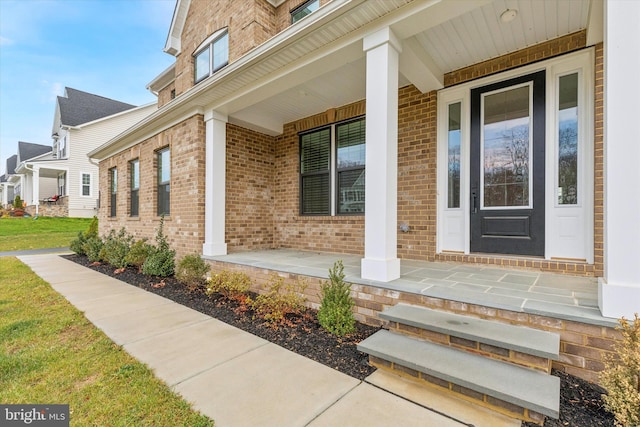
(507, 166)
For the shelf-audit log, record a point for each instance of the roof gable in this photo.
(12, 162)
(78, 107)
(28, 150)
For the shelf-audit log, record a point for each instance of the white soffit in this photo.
(479, 34)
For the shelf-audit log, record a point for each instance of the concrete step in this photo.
(493, 383)
(518, 338)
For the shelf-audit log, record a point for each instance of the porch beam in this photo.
(619, 289)
(215, 184)
(419, 67)
(380, 260)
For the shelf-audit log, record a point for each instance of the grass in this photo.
(45, 232)
(50, 353)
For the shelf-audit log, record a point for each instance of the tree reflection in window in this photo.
(568, 140)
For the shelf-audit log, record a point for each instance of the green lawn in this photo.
(44, 232)
(50, 353)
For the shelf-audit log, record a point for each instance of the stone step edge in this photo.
(520, 386)
(512, 337)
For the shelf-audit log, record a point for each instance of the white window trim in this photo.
(453, 234)
(207, 45)
(90, 184)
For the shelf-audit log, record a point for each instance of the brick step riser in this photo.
(475, 397)
(494, 352)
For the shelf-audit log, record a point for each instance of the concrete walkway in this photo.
(234, 377)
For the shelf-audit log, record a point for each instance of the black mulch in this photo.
(580, 401)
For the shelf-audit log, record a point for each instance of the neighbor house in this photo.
(484, 132)
(6, 187)
(24, 184)
(82, 121)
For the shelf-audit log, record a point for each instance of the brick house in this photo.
(490, 136)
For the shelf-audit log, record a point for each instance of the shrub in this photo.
(93, 248)
(116, 248)
(280, 300)
(232, 286)
(159, 263)
(138, 253)
(191, 271)
(335, 313)
(161, 259)
(17, 202)
(621, 376)
(77, 244)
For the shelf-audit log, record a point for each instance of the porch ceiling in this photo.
(443, 37)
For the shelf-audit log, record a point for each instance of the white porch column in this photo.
(619, 289)
(215, 184)
(380, 260)
(36, 188)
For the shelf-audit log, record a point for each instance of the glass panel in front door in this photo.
(506, 148)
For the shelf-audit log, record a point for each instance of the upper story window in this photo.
(212, 55)
(332, 170)
(62, 147)
(304, 9)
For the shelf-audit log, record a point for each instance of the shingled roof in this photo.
(78, 107)
(12, 162)
(28, 150)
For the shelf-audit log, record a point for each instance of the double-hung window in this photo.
(332, 169)
(212, 55)
(85, 184)
(304, 9)
(134, 171)
(164, 178)
(113, 191)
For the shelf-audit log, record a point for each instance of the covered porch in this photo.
(527, 292)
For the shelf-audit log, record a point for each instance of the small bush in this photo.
(161, 260)
(138, 253)
(191, 271)
(335, 313)
(159, 263)
(621, 376)
(17, 202)
(116, 248)
(280, 300)
(232, 286)
(93, 248)
(77, 244)
(92, 231)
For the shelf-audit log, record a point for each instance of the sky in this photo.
(111, 48)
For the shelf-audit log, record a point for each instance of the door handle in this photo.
(474, 202)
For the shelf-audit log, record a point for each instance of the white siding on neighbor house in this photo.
(83, 139)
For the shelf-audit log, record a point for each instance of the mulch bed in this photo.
(580, 401)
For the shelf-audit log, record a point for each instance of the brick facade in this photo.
(249, 23)
(262, 182)
(185, 225)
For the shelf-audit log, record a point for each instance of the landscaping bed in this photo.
(580, 401)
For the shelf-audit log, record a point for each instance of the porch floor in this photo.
(546, 294)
